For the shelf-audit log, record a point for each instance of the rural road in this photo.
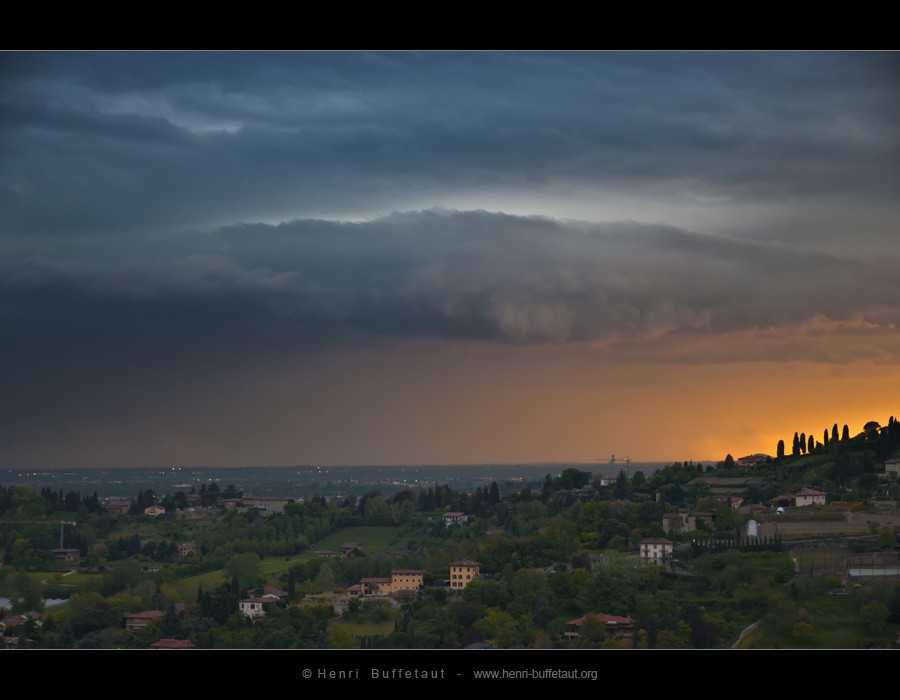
(747, 631)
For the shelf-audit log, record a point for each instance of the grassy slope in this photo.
(371, 538)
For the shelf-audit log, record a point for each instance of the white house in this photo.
(657, 550)
(809, 497)
(253, 607)
(454, 518)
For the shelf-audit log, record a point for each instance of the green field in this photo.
(271, 568)
(372, 538)
(370, 629)
(208, 581)
(825, 616)
(834, 622)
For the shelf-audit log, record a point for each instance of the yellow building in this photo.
(400, 580)
(462, 573)
(407, 579)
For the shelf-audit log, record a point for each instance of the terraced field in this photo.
(853, 524)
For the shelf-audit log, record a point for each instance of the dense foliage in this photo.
(551, 551)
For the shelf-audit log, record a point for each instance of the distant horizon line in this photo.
(426, 465)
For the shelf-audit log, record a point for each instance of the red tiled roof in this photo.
(604, 618)
(146, 615)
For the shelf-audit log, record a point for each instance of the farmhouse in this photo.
(400, 580)
(733, 502)
(685, 520)
(66, 554)
(351, 549)
(138, 621)
(657, 550)
(454, 518)
(118, 507)
(809, 497)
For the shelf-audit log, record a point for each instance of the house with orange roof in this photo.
(140, 620)
(400, 580)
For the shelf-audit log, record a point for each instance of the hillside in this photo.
(759, 551)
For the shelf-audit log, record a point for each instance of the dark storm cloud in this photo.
(122, 177)
(122, 143)
(198, 254)
(438, 273)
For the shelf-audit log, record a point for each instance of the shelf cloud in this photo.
(221, 222)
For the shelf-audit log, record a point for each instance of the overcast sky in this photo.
(212, 258)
